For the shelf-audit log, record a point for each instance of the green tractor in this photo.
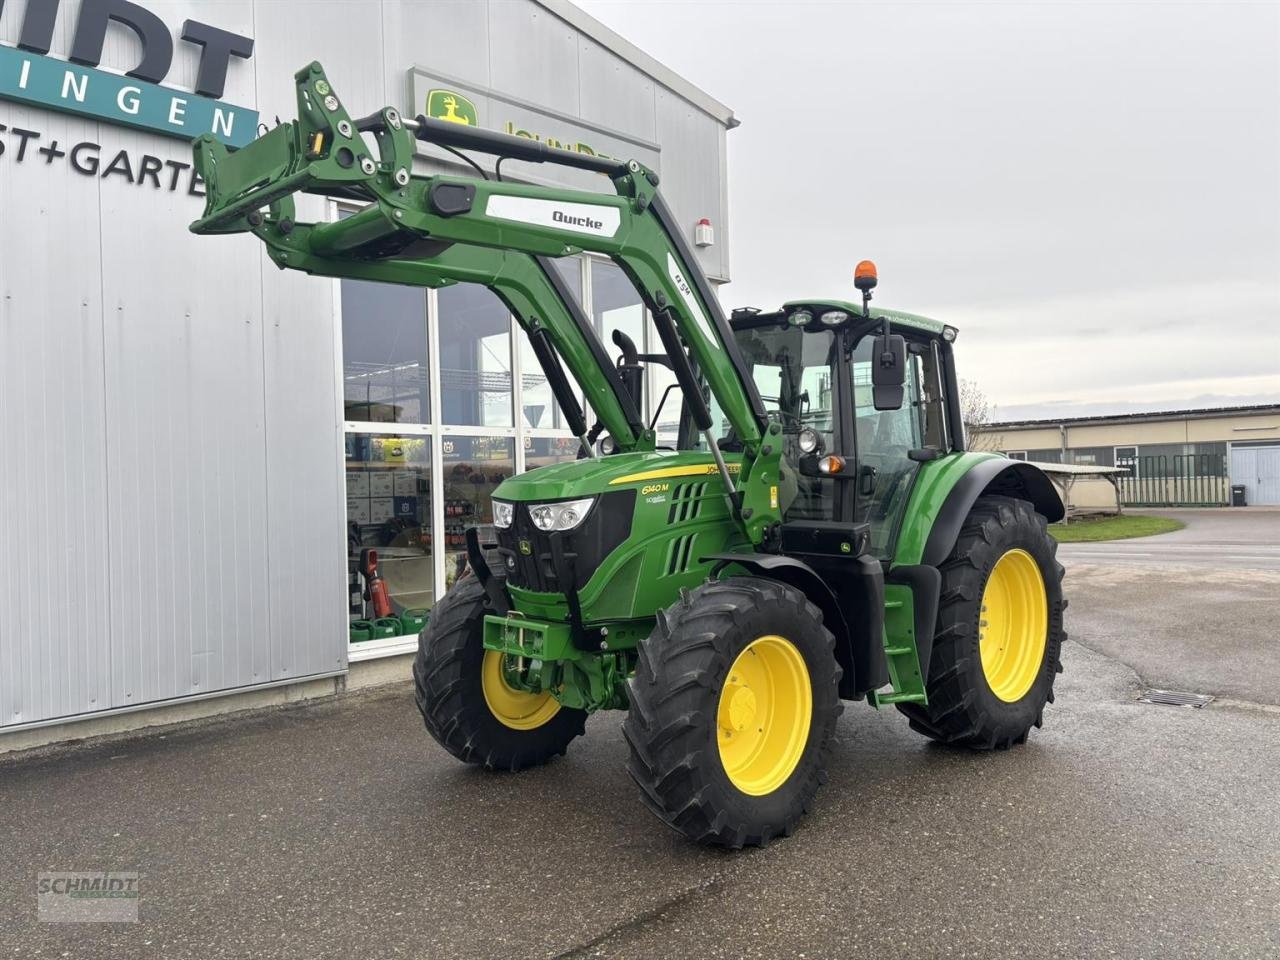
(817, 534)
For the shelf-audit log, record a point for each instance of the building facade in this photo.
(199, 449)
(1176, 458)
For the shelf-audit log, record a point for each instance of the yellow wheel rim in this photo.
(1013, 625)
(517, 709)
(762, 721)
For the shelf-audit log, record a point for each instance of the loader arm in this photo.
(411, 222)
(528, 286)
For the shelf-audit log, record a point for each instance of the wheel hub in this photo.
(737, 707)
(764, 714)
(1013, 625)
(517, 709)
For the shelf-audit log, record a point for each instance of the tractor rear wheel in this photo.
(732, 709)
(464, 697)
(998, 644)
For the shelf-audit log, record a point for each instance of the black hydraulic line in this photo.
(697, 403)
(585, 329)
(559, 383)
(447, 134)
(662, 213)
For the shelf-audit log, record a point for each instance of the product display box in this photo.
(357, 483)
(358, 511)
(405, 482)
(381, 484)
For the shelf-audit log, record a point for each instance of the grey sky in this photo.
(1090, 191)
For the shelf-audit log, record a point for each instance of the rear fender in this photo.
(947, 489)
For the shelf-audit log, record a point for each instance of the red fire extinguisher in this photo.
(375, 588)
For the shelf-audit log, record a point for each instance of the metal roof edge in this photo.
(584, 23)
(1198, 413)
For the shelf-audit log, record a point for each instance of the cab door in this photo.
(884, 439)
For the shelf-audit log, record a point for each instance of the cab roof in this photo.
(897, 317)
(900, 318)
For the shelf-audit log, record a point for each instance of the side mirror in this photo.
(888, 371)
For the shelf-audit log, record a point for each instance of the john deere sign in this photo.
(455, 101)
(452, 107)
(137, 99)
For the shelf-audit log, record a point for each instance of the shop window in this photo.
(473, 468)
(475, 357)
(390, 570)
(384, 353)
(615, 305)
(544, 451)
(570, 268)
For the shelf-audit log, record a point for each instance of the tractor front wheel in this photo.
(466, 702)
(998, 643)
(732, 709)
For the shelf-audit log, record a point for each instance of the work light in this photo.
(550, 517)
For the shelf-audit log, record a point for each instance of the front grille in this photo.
(529, 553)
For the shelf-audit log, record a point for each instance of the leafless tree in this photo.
(976, 413)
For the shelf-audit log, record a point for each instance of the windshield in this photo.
(793, 370)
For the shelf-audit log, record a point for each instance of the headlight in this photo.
(549, 517)
(503, 514)
(833, 318)
(809, 441)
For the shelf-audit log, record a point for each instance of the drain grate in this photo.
(1175, 698)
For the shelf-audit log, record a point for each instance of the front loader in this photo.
(819, 534)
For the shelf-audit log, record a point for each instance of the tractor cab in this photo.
(846, 459)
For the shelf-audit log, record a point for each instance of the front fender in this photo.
(946, 489)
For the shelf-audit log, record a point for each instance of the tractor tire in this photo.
(998, 643)
(464, 700)
(745, 658)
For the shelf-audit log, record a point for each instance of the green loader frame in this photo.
(822, 540)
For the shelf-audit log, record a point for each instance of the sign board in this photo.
(457, 101)
(138, 98)
(45, 82)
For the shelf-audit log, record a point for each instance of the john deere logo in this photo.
(525, 547)
(452, 108)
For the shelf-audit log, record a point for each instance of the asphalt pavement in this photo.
(1195, 610)
(1212, 539)
(338, 829)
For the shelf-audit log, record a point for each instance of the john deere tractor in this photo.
(817, 534)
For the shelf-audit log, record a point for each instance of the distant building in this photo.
(1173, 458)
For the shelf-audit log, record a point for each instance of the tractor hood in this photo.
(583, 478)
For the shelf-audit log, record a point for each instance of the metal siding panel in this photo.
(1258, 470)
(1269, 475)
(691, 184)
(345, 37)
(449, 36)
(1244, 470)
(53, 493)
(615, 94)
(533, 55)
(186, 452)
(306, 531)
